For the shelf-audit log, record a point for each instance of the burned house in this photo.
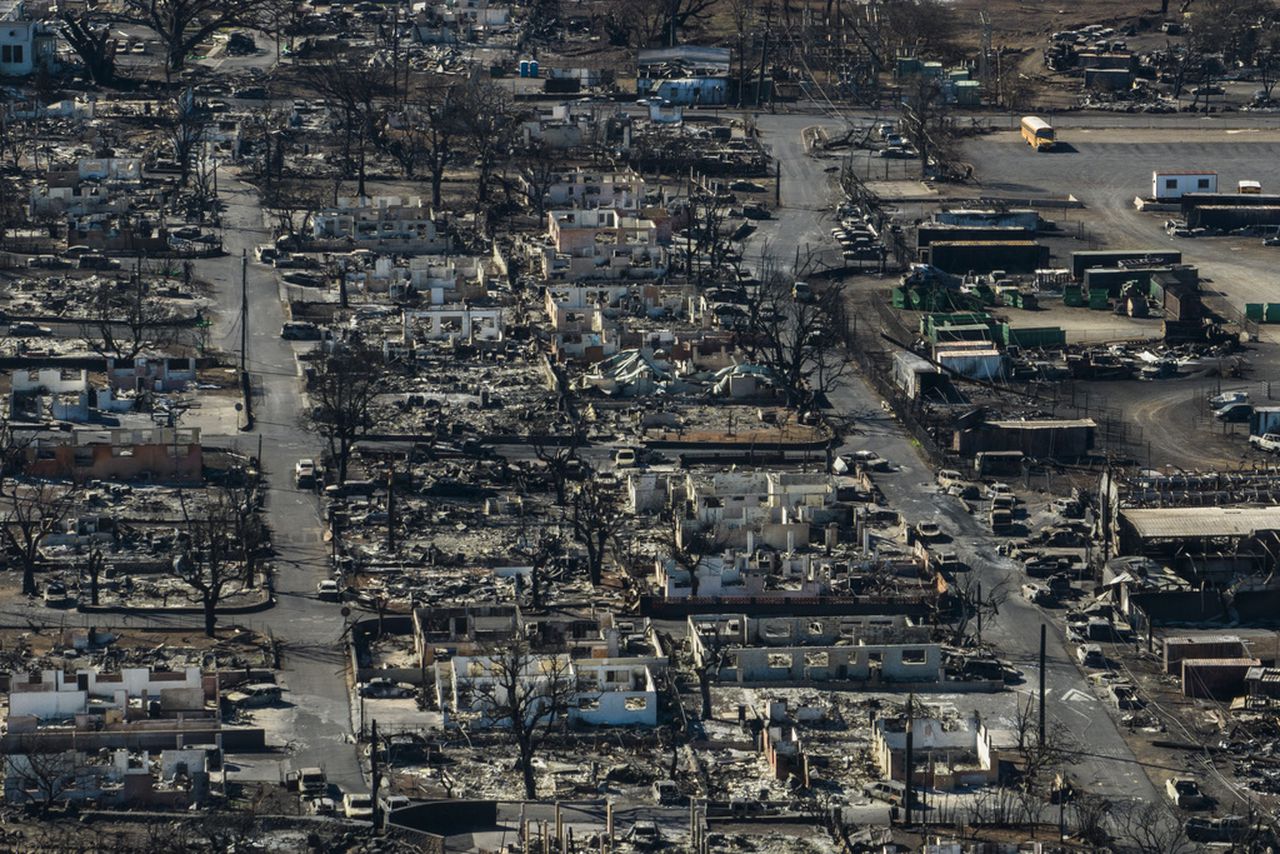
(742, 509)
(855, 651)
(161, 454)
(684, 75)
(596, 691)
(600, 243)
(389, 222)
(947, 754)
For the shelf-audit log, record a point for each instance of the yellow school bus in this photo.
(1038, 133)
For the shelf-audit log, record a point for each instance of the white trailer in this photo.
(1167, 186)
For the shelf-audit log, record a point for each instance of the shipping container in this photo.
(1033, 337)
(1087, 260)
(929, 233)
(1265, 419)
(981, 256)
(1253, 311)
(1230, 217)
(1204, 646)
(1215, 678)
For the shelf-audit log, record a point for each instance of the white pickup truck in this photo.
(1269, 442)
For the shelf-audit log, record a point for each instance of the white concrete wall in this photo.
(47, 704)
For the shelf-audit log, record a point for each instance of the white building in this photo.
(444, 279)
(401, 223)
(600, 244)
(599, 691)
(745, 508)
(56, 694)
(452, 323)
(1167, 186)
(25, 44)
(585, 188)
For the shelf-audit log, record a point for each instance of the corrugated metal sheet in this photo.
(1193, 522)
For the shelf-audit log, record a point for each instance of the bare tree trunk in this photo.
(526, 770)
(210, 614)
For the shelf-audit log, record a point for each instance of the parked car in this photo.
(1229, 828)
(1220, 400)
(308, 280)
(667, 793)
(1068, 507)
(255, 695)
(1234, 413)
(889, 791)
(802, 292)
(1269, 442)
(98, 261)
(949, 562)
(357, 806)
(321, 806)
(928, 531)
(1125, 697)
(299, 330)
(328, 590)
(625, 458)
(27, 329)
(1090, 655)
(1001, 520)
(49, 262)
(312, 782)
(1037, 594)
(390, 803)
(999, 489)
(950, 477)
(304, 473)
(382, 688)
(870, 460)
(55, 595)
(645, 834)
(1185, 793)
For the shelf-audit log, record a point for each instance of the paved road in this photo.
(318, 723)
(313, 665)
(911, 489)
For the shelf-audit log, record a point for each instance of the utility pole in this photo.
(391, 509)
(764, 52)
(244, 309)
(1041, 733)
(375, 772)
(978, 605)
(908, 801)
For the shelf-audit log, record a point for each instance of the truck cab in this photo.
(1269, 442)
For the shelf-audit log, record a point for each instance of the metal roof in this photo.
(1197, 522)
(1044, 424)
